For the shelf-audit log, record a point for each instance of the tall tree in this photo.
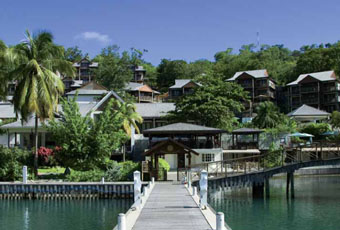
(268, 115)
(39, 86)
(74, 54)
(213, 104)
(115, 68)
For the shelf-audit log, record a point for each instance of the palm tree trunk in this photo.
(36, 146)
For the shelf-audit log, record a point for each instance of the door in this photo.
(181, 161)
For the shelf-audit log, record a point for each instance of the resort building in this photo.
(139, 74)
(142, 93)
(84, 74)
(319, 90)
(90, 92)
(259, 84)
(183, 144)
(182, 87)
(306, 113)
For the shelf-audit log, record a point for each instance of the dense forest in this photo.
(284, 65)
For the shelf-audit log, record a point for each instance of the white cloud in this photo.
(90, 35)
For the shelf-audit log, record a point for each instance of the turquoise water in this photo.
(316, 206)
(61, 214)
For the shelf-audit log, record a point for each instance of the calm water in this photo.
(61, 214)
(316, 206)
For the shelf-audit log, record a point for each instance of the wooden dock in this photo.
(170, 206)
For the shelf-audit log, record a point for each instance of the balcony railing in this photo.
(309, 89)
(310, 101)
(145, 98)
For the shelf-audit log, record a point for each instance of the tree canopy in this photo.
(214, 104)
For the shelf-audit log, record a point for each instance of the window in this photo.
(208, 157)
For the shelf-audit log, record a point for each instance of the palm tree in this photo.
(39, 61)
(268, 115)
(127, 113)
(6, 64)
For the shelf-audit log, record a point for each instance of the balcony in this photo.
(310, 101)
(309, 89)
(145, 98)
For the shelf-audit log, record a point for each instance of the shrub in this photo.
(81, 176)
(122, 171)
(274, 156)
(11, 162)
(316, 129)
(45, 156)
(163, 164)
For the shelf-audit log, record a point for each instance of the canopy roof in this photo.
(182, 128)
(297, 134)
(170, 146)
(306, 112)
(246, 131)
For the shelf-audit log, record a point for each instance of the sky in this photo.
(173, 29)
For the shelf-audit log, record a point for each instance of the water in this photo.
(316, 206)
(61, 214)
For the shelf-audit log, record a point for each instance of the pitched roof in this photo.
(306, 110)
(321, 76)
(134, 86)
(261, 73)
(246, 131)
(7, 111)
(88, 92)
(179, 83)
(154, 110)
(182, 128)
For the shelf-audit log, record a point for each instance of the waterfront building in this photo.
(260, 86)
(176, 142)
(182, 87)
(306, 113)
(319, 90)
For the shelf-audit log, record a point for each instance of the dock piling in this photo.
(121, 221)
(204, 189)
(220, 221)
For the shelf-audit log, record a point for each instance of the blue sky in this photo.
(174, 29)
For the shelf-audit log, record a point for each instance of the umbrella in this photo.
(297, 134)
(330, 133)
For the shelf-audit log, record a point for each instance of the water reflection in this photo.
(316, 205)
(61, 214)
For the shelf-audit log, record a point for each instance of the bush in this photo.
(81, 176)
(11, 162)
(163, 164)
(316, 129)
(46, 156)
(274, 156)
(122, 171)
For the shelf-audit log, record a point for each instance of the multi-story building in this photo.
(259, 85)
(320, 90)
(139, 74)
(182, 87)
(84, 74)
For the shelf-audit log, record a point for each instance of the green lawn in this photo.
(53, 170)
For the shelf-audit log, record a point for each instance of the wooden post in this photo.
(292, 195)
(24, 175)
(267, 188)
(287, 184)
(137, 187)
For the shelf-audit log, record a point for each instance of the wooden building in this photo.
(259, 84)
(320, 90)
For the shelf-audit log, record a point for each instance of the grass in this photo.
(51, 170)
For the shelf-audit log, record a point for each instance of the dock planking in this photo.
(170, 206)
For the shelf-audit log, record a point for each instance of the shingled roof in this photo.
(261, 73)
(154, 110)
(321, 76)
(306, 110)
(180, 83)
(182, 128)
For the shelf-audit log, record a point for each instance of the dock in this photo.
(171, 205)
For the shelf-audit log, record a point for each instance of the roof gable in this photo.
(306, 110)
(180, 83)
(321, 76)
(261, 73)
(93, 85)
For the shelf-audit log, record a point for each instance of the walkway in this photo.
(170, 206)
